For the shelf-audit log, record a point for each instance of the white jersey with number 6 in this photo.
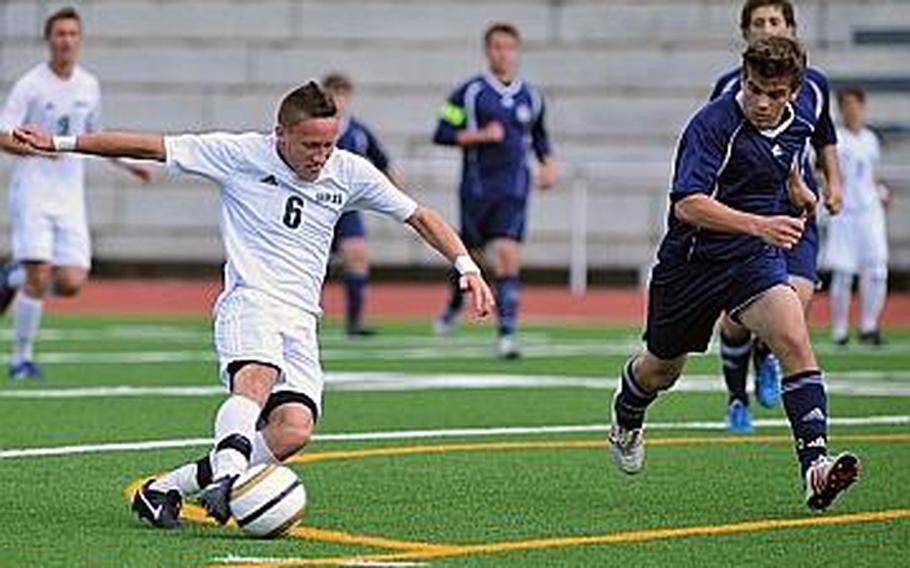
(278, 228)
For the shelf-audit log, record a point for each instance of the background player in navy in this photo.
(765, 18)
(728, 228)
(349, 232)
(492, 116)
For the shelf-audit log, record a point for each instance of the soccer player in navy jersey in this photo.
(764, 18)
(492, 116)
(736, 177)
(349, 240)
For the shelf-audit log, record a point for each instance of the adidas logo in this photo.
(269, 180)
(819, 442)
(777, 151)
(814, 415)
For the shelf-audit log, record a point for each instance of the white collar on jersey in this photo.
(780, 128)
(502, 89)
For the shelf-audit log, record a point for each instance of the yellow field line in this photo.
(610, 538)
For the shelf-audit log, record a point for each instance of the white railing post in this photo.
(578, 263)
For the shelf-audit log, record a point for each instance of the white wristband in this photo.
(464, 264)
(64, 143)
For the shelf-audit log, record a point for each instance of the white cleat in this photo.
(507, 347)
(828, 477)
(627, 448)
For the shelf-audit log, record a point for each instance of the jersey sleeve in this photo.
(699, 157)
(215, 155)
(453, 118)
(825, 132)
(540, 139)
(371, 190)
(15, 109)
(375, 152)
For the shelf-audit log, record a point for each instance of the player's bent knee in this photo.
(67, 288)
(290, 428)
(731, 330)
(792, 347)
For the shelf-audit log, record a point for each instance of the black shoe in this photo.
(842, 341)
(7, 292)
(216, 498)
(871, 338)
(360, 332)
(160, 508)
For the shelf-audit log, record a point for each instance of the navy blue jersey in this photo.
(500, 169)
(813, 100)
(356, 137)
(723, 155)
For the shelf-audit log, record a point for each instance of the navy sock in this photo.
(806, 404)
(456, 299)
(508, 291)
(760, 352)
(354, 285)
(735, 358)
(631, 400)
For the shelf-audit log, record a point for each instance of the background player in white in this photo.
(50, 236)
(857, 238)
(281, 195)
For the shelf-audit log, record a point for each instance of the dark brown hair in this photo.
(501, 28)
(776, 58)
(308, 101)
(786, 7)
(337, 82)
(851, 91)
(68, 13)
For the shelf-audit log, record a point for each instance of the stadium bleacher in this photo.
(621, 78)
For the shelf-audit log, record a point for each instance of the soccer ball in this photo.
(268, 500)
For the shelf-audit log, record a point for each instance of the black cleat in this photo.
(360, 332)
(829, 477)
(216, 498)
(873, 338)
(160, 508)
(842, 341)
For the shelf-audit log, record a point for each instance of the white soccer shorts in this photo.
(251, 327)
(60, 238)
(857, 240)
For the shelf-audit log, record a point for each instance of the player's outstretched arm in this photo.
(108, 144)
(438, 234)
(706, 212)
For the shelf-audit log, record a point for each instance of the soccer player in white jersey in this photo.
(50, 237)
(857, 238)
(281, 195)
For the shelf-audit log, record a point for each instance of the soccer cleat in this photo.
(739, 419)
(160, 508)
(360, 332)
(842, 341)
(441, 327)
(507, 347)
(767, 381)
(24, 370)
(7, 292)
(216, 498)
(873, 338)
(627, 447)
(827, 477)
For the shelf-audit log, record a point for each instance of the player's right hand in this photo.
(482, 301)
(781, 230)
(493, 132)
(34, 138)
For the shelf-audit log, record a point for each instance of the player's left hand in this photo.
(482, 302)
(34, 138)
(141, 173)
(801, 196)
(546, 175)
(834, 199)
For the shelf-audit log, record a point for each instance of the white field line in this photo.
(858, 383)
(884, 420)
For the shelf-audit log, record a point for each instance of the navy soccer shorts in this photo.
(485, 219)
(686, 298)
(802, 259)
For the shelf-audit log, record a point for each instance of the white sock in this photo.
(873, 289)
(261, 452)
(182, 479)
(26, 320)
(237, 415)
(16, 277)
(839, 298)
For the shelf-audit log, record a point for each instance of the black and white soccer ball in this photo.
(268, 500)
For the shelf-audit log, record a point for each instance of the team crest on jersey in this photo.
(523, 113)
(329, 198)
